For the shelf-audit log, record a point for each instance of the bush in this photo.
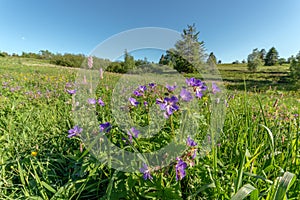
(116, 67)
(254, 60)
(3, 54)
(69, 60)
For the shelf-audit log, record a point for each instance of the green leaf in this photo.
(284, 184)
(48, 187)
(245, 191)
(272, 146)
(35, 198)
(110, 185)
(240, 173)
(204, 187)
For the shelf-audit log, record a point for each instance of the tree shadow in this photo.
(283, 84)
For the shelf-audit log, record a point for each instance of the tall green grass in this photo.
(255, 157)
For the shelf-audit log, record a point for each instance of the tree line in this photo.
(187, 56)
(66, 59)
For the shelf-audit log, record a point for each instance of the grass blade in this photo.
(284, 184)
(245, 191)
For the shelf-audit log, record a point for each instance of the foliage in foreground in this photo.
(257, 152)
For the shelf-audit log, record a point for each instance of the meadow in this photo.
(46, 154)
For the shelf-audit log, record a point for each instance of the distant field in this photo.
(235, 76)
(275, 76)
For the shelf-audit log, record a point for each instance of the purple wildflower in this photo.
(186, 95)
(194, 151)
(215, 88)
(100, 102)
(133, 132)
(152, 85)
(169, 105)
(226, 103)
(171, 88)
(190, 81)
(105, 127)
(68, 85)
(145, 103)
(159, 101)
(75, 131)
(4, 84)
(142, 88)
(92, 101)
(129, 137)
(198, 86)
(133, 101)
(193, 82)
(190, 142)
(17, 88)
(199, 90)
(90, 62)
(137, 93)
(146, 171)
(71, 91)
(180, 169)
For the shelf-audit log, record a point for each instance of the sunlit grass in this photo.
(258, 144)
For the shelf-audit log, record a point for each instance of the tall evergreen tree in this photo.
(263, 54)
(271, 57)
(212, 60)
(128, 61)
(188, 52)
(189, 46)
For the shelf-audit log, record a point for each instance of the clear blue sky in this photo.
(229, 28)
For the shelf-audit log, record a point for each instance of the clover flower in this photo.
(90, 62)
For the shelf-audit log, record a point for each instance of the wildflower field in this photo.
(47, 154)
